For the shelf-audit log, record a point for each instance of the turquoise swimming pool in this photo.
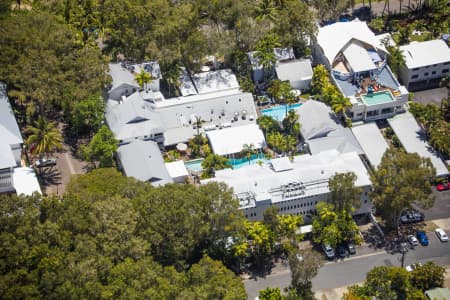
(377, 97)
(194, 165)
(237, 163)
(279, 112)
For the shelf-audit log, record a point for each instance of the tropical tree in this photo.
(399, 181)
(303, 271)
(171, 73)
(428, 276)
(212, 163)
(87, 115)
(395, 59)
(262, 241)
(270, 294)
(101, 148)
(279, 89)
(198, 124)
(264, 53)
(439, 137)
(44, 137)
(344, 194)
(291, 125)
(268, 124)
(143, 78)
(276, 141)
(266, 10)
(340, 104)
(247, 151)
(320, 79)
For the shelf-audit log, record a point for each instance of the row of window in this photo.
(308, 212)
(427, 73)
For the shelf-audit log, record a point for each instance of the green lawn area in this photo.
(425, 36)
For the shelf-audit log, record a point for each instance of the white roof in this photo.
(386, 38)
(332, 38)
(371, 141)
(420, 54)
(208, 82)
(177, 169)
(281, 164)
(312, 171)
(413, 139)
(358, 58)
(230, 140)
(315, 119)
(294, 70)
(25, 181)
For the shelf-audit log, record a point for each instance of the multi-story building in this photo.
(426, 63)
(357, 60)
(294, 186)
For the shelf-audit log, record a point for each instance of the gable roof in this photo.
(9, 130)
(143, 161)
(332, 38)
(316, 120)
(341, 139)
(421, 54)
(134, 117)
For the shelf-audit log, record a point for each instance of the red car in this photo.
(443, 186)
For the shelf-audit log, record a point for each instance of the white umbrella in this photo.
(181, 147)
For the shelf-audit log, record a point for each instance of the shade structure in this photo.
(181, 147)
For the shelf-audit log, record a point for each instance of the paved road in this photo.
(441, 207)
(353, 270)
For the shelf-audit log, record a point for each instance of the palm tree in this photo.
(266, 10)
(279, 89)
(265, 54)
(340, 104)
(171, 74)
(43, 137)
(291, 125)
(143, 78)
(212, 163)
(198, 124)
(247, 151)
(289, 98)
(396, 59)
(267, 124)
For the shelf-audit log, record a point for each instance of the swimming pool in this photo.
(194, 165)
(279, 112)
(237, 163)
(377, 97)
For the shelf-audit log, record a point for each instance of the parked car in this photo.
(341, 251)
(45, 162)
(443, 237)
(412, 216)
(351, 248)
(443, 186)
(328, 250)
(412, 267)
(422, 237)
(412, 240)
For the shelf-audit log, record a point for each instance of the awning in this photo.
(358, 58)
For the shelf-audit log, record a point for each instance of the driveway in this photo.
(55, 179)
(433, 96)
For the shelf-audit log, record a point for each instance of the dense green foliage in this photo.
(46, 64)
(101, 148)
(334, 224)
(436, 122)
(401, 180)
(112, 237)
(396, 283)
(43, 137)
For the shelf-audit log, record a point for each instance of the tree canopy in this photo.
(401, 180)
(119, 238)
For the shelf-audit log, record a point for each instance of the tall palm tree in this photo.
(198, 124)
(44, 137)
(288, 98)
(340, 104)
(266, 10)
(143, 78)
(396, 59)
(267, 124)
(247, 151)
(171, 74)
(291, 125)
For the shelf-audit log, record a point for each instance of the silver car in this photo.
(412, 240)
(441, 234)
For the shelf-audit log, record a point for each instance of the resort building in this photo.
(212, 97)
(281, 55)
(296, 186)
(13, 177)
(321, 132)
(426, 63)
(298, 72)
(356, 60)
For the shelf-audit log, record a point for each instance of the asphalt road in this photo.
(441, 207)
(354, 269)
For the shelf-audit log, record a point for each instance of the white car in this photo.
(441, 234)
(412, 240)
(412, 267)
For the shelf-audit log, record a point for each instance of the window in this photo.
(434, 72)
(426, 74)
(444, 71)
(414, 76)
(416, 69)
(447, 63)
